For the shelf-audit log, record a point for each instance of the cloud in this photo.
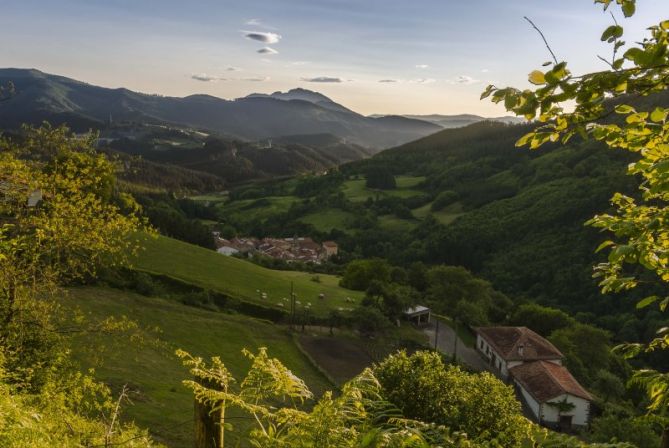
(467, 80)
(205, 78)
(422, 66)
(267, 50)
(256, 79)
(484, 70)
(232, 69)
(254, 22)
(323, 79)
(260, 36)
(299, 63)
(389, 80)
(423, 80)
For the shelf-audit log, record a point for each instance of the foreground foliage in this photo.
(639, 223)
(60, 220)
(390, 405)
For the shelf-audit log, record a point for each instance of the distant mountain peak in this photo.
(297, 93)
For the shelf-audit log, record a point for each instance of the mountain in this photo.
(41, 96)
(458, 121)
(309, 96)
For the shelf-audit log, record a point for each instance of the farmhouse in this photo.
(552, 394)
(506, 347)
(534, 366)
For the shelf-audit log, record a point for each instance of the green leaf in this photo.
(628, 8)
(647, 301)
(604, 245)
(537, 78)
(658, 115)
(612, 33)
(624, 109)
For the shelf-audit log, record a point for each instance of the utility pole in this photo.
(455, 339)
(292, 305)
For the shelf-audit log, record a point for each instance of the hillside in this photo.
(468, 197)
(242, 279)
(148, 366)
(456, 121)
(41, 96)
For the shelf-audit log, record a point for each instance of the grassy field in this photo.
(328, 219)
(257, 209)
(150, 369)
(392, 222)
(356, 191)
(212, 198)
(240, 278)
(444, 216)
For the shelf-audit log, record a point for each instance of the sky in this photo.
(373, 56)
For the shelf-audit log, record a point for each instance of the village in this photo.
(296, 249)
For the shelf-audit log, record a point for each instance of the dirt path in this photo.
(446, 343)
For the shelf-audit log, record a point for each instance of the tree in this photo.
(381, 178)
(359, 274)
(586, 349)
(61, 219)
(426, 389)
(444, 199)
(541, 319)
(615, 106)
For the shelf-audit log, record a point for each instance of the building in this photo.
(546, 387)
(506, 347)
(330, 248)
(419, 315)
(533, 365)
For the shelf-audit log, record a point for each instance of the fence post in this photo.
(209, 426)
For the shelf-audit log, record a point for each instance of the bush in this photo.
(443, 200)
(426, 389)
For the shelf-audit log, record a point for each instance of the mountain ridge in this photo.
(42, 96)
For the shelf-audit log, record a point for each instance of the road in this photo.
(446, 342)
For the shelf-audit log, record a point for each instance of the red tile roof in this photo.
(518, 344)
(545, 380)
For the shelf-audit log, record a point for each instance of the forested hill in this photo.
(465, 197)
(512, 215)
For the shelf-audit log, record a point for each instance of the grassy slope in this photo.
(239, 278)
(444, 216)
(256, 209)
(356, 191)
(151, 370)
(328, 219)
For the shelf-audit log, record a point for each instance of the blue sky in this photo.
(436, 56)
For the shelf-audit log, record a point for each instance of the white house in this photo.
(546, 388)
(506, 347)
(534, 366)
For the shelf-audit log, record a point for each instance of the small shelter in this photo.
(419, 315)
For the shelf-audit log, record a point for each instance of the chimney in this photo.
(521, 349)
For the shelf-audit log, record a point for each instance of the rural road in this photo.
(446, 341)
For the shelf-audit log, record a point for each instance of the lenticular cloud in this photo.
(260, 36)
